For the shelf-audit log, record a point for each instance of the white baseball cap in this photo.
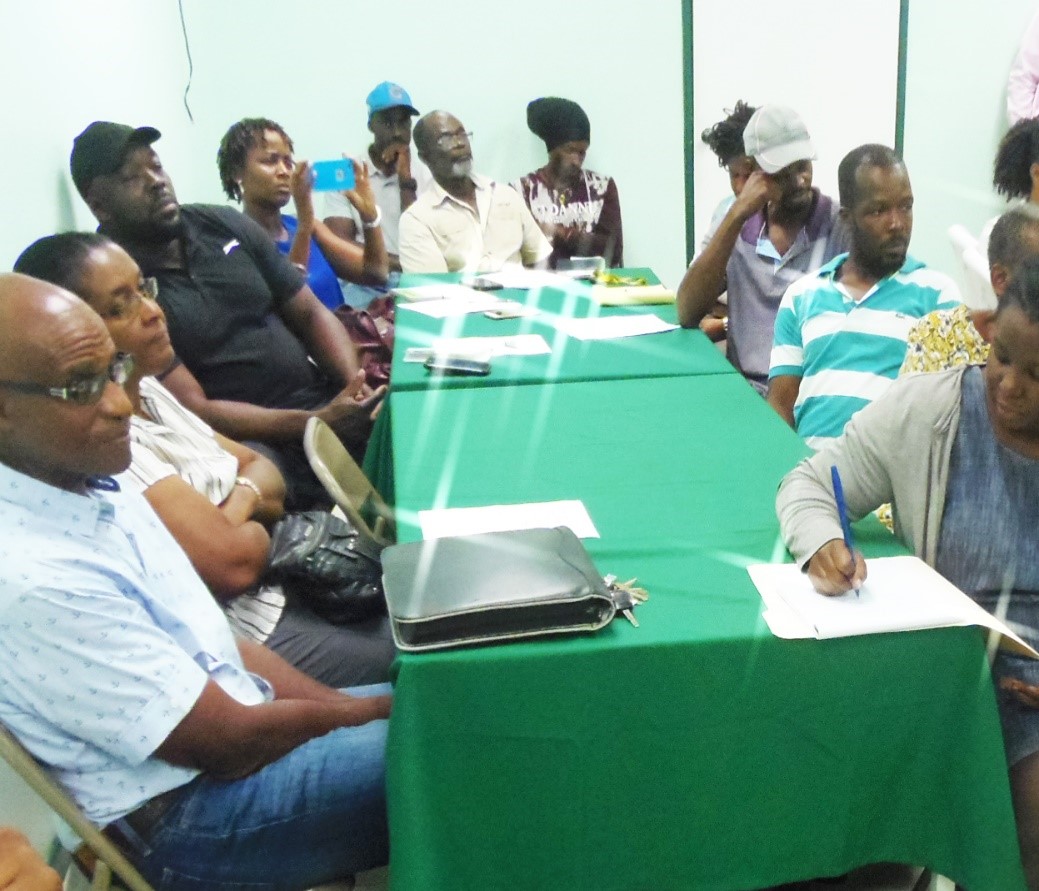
(776, 137)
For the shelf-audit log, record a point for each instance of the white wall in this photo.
(956, 114)
(308, 66)
(836, 64)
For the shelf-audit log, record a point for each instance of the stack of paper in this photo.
(900, 594)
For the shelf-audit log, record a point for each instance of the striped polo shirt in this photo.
(848, 352)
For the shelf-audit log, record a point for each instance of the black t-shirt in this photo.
(223, 312)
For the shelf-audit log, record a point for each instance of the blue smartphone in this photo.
(333, 176)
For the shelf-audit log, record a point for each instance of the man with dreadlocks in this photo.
(577, 209)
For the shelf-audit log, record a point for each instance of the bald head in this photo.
(35, 316)
(429, 126)
(50, 340)
(443, 144)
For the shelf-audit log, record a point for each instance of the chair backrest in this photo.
(41, 782)
(346, 483)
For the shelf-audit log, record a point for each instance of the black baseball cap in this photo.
(101, 149)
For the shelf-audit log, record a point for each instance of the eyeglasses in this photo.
(445, 140)
(85, 391)
(125, 306)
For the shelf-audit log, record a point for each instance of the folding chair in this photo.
(107, 857)
(346, 483)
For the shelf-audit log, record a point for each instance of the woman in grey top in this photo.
(957, 454)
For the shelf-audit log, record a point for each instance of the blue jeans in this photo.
(315, 815)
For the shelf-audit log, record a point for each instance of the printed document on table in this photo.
(900, 594)
(507, 517)
(610, 327)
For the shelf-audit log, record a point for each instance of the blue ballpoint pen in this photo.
(842, 512)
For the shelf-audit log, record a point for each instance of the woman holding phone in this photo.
(257, 168)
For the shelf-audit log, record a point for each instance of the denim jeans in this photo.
(315, 815)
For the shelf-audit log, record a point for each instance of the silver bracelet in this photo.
(374, 223)
(249, 484)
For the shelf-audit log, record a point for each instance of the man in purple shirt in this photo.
(778, 229)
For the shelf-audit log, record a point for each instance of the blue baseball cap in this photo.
(389, 95)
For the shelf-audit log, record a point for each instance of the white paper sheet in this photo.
(900, 594)
(525, 279)
(445, 291)
(610, 327)
(512, 345)
(505, 517)
(453, 306)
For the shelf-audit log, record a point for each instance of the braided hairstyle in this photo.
(234, 149)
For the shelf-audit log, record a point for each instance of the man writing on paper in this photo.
(465, 221)
(957, 454)
(776, 230)
(209, 761)
(840, 334)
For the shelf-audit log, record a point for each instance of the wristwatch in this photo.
(408, 185)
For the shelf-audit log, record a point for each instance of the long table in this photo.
(696, 751)
(677, 352)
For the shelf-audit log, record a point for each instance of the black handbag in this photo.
(324, 562)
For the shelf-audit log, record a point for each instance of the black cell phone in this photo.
(454, 365)
(479, 283)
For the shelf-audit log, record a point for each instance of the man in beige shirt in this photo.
(464, 221)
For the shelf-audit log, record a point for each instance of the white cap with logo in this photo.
(776, 137)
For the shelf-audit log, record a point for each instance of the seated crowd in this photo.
(156, 378)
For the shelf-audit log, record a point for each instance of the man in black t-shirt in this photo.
(242, 319)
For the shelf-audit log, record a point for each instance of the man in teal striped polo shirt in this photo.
(841, 331)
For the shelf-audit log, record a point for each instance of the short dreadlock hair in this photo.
(234, 148)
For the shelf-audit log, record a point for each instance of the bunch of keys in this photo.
(626, 596)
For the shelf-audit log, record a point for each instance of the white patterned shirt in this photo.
(107, 638)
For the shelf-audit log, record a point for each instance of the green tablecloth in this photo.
(697, 751)
(658, 355)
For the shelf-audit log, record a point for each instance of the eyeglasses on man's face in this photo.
(446, 140)
(85, 390)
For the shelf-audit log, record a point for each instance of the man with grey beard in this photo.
(464, 221)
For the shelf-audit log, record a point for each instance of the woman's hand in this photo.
(361, 195)
(302, 193)
(834, 570)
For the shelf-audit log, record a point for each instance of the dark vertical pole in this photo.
(900, 94)
(687, 130)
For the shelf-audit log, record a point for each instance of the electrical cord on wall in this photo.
(191, 65)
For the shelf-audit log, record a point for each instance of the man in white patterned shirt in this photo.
(207, 760)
